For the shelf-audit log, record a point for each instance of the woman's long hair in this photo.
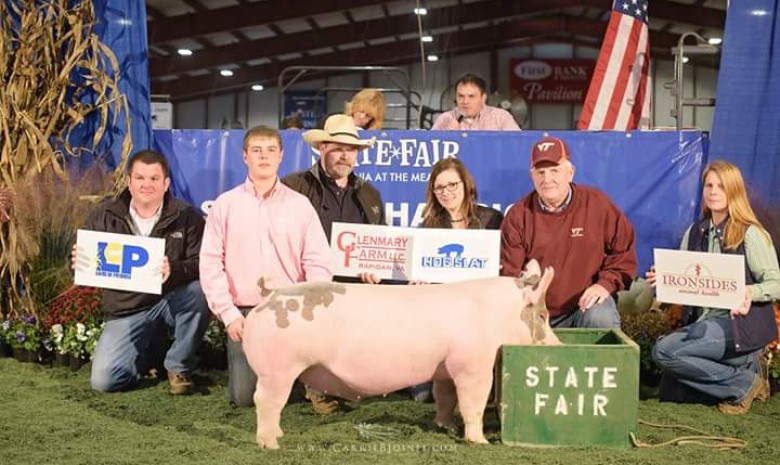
(370, 101)
(434, 215)
(741, 215)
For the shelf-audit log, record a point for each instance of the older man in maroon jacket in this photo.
(579, 232)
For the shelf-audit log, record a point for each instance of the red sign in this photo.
(550, 81)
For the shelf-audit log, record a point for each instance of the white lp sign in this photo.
(699, 278)
(431, 255)
(119, 261)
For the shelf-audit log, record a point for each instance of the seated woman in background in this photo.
(367, 109)
(718, 359)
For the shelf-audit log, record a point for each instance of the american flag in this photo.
(619, 93)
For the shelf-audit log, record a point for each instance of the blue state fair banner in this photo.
(654, 177)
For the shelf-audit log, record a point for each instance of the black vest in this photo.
(756, 329)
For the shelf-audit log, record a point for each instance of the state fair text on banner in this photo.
(710, 280)
(119, 261)
(618, 97)
(654, 177)
(430, 255)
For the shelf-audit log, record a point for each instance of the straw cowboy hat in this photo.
(339, 129)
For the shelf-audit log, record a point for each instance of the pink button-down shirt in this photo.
(489, 119)
(248, 236)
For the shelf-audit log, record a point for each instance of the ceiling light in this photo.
(185, 52)
(257, 87)
(420, 11)
(433, 58)
(686, 59)
(226, 72)
(426, 38)
(715, 40)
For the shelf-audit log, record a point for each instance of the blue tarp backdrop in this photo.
(652, 176)
(122, 27)
(746, 127)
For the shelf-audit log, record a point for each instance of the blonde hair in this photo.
(370, 101)
(741, 215)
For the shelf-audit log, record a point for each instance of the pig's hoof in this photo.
(477, 440)
(267, 443)
(448, 425)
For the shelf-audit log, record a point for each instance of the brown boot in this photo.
(763, 372)
(742, 406)
(321, 403)
(179, 384)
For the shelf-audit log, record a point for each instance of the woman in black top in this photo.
(451, 200)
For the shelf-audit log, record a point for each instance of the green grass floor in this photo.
(50, 416)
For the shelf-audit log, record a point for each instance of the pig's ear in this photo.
(530, 275)
(547, 278)
(534, 294)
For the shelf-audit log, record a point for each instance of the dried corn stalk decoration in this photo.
(54, 74)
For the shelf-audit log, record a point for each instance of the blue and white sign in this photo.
(119, 261)
(448, 255)
(429, 255)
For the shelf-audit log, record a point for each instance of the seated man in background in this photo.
(579, 232)
(472, 113)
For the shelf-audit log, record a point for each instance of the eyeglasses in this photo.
(450, 186)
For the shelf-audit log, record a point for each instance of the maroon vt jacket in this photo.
(590, 241)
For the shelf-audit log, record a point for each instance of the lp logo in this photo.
(117, 260)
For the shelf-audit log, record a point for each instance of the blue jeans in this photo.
(241, 378)
(602, 315)
(121, 349)
(701, 356)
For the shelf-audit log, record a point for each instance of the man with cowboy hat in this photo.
(259, 228)
(334, 190)
(337, 194)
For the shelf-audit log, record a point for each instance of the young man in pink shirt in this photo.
(260, 228)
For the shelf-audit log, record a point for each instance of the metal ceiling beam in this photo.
(696, 15)
(338, 35)
(503, 35)
(403, 24)
(241, 16)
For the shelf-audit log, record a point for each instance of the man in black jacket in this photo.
(146, 208)
(338, 195)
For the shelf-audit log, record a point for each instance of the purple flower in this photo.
(30, 320)
(20, 336)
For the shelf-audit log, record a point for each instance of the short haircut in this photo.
(262, 131)
(469, 78)
(149, 157)
(292, 122)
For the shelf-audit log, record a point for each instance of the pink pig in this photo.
(356, 340)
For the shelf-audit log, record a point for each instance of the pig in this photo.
(357, 340)
(451, 250)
